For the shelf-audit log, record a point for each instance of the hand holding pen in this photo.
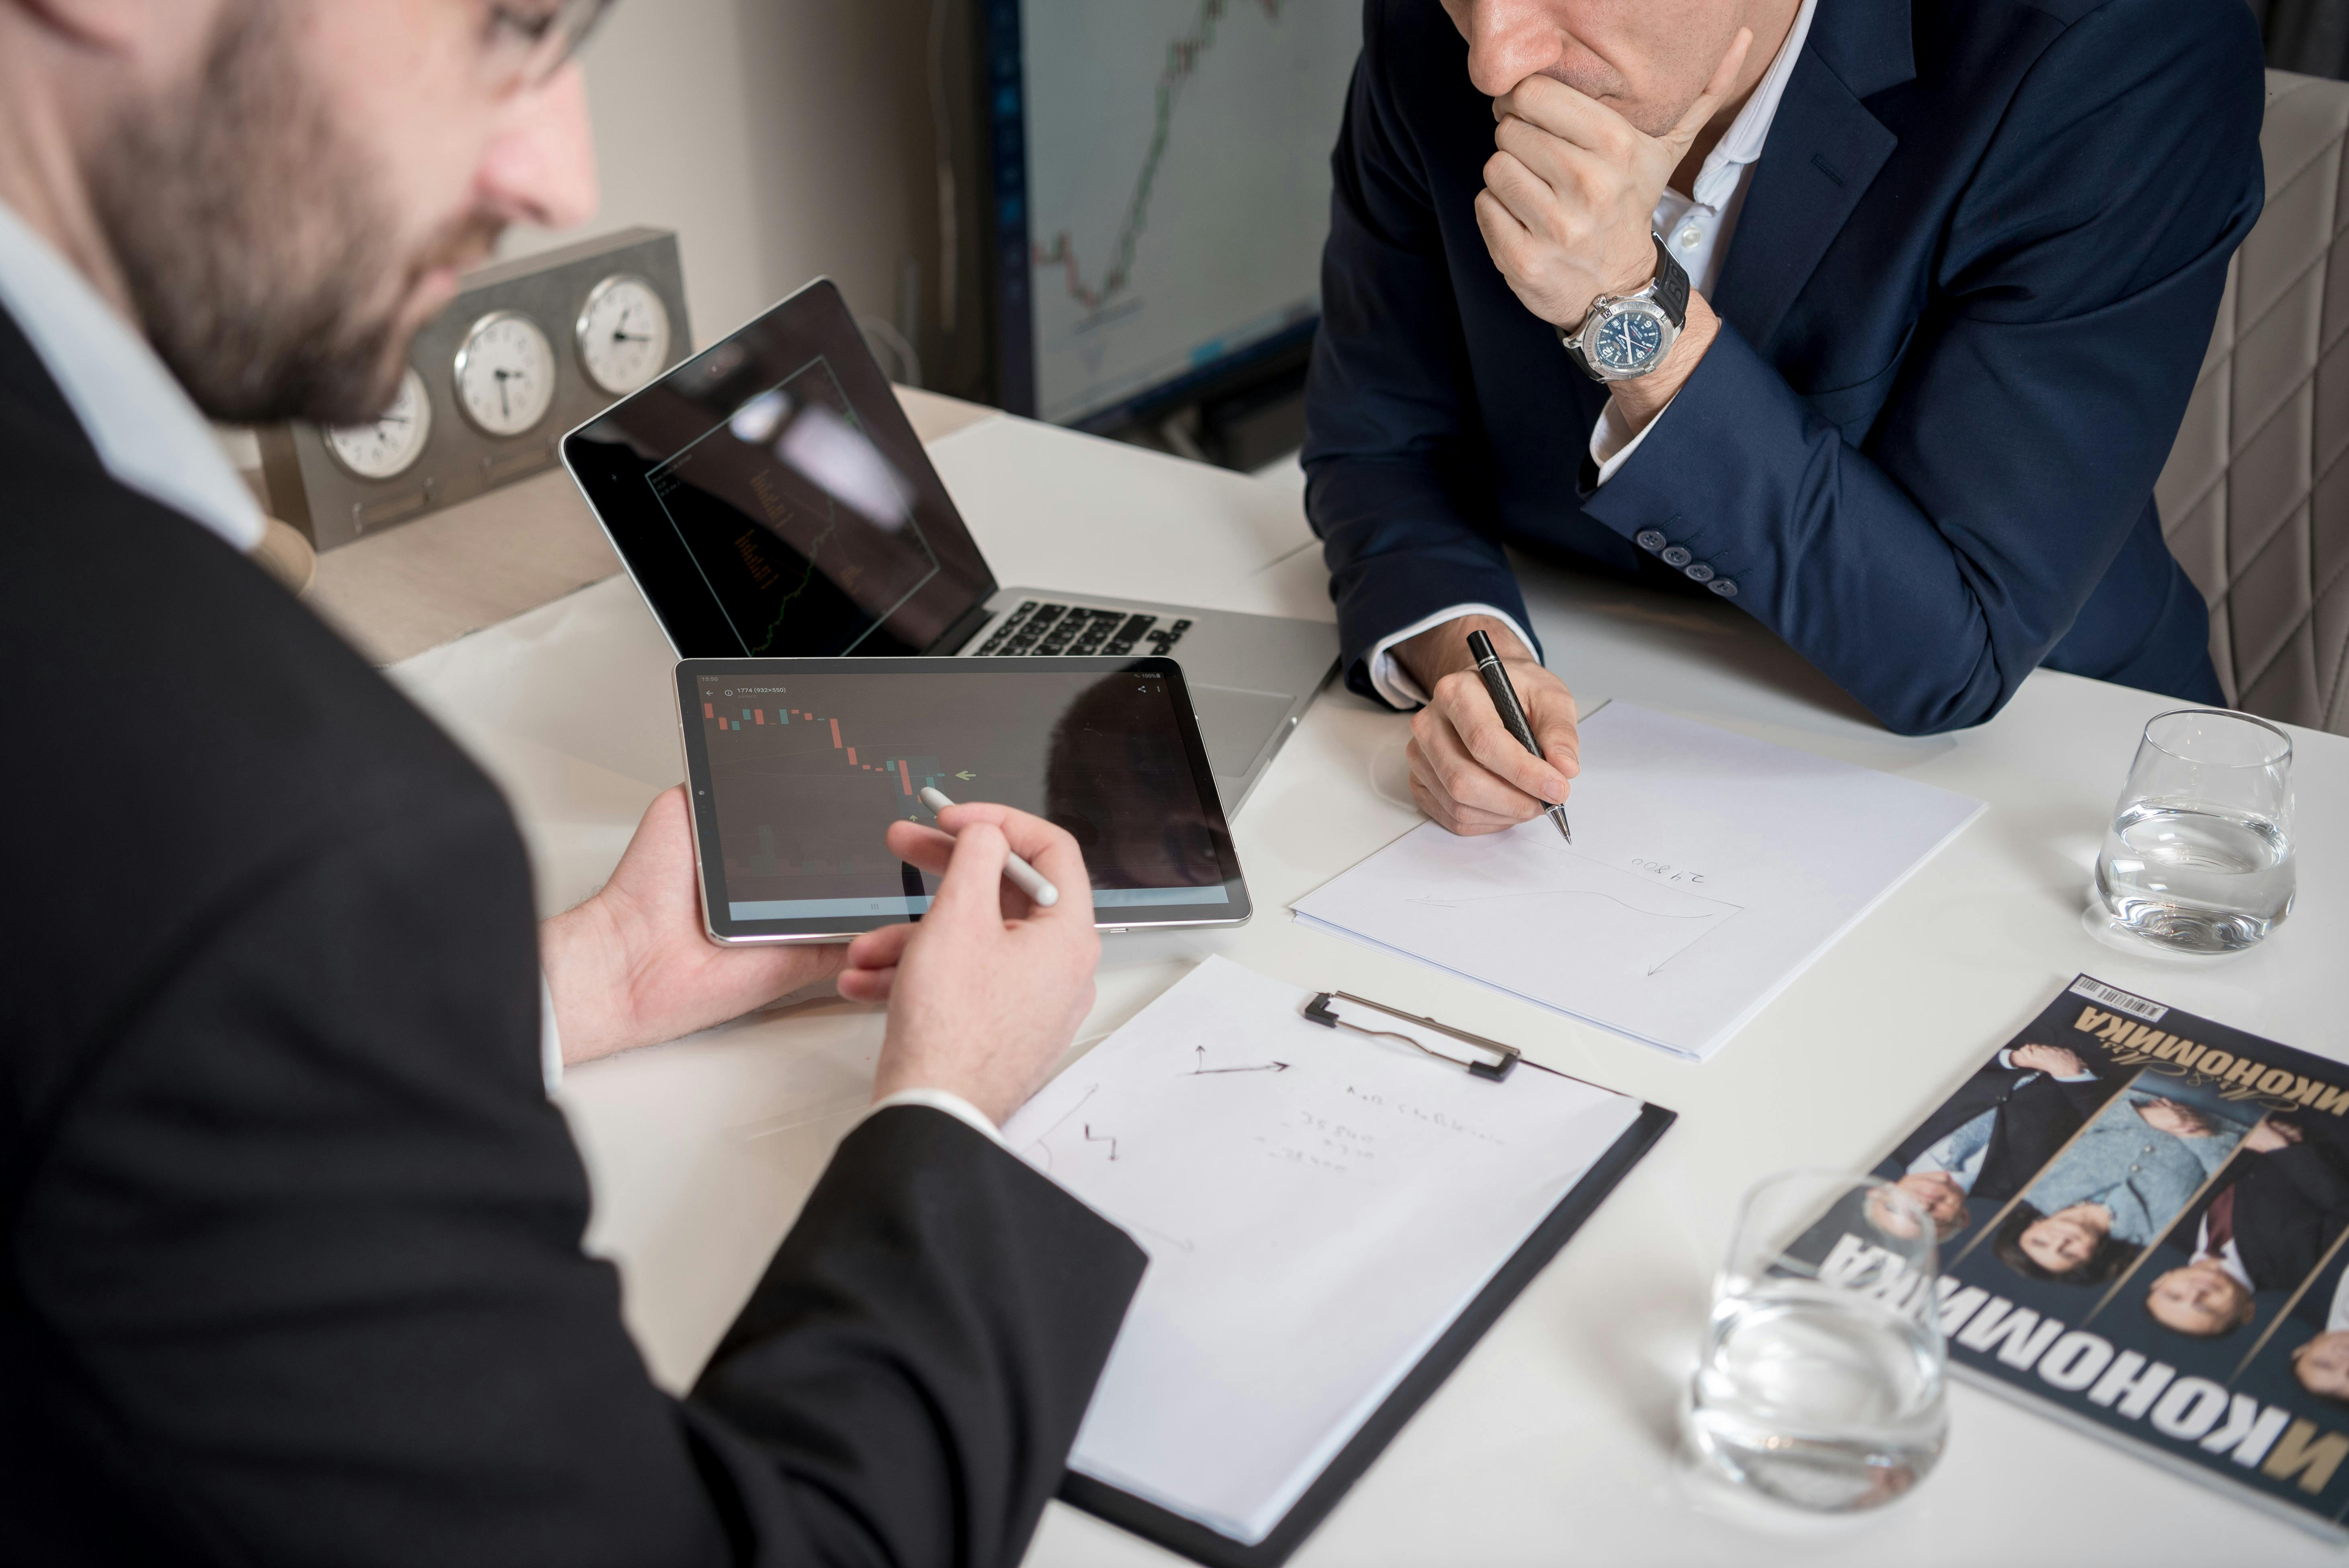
(1468, 770)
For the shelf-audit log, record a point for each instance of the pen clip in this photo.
(1319, 1011)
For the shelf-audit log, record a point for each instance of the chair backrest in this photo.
(2255, 495)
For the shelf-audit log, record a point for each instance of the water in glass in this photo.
(1820, 1380)
(1818, 1397)
(2197, 858)
(2205, 881)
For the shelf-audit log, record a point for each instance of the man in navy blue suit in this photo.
(1875, 318)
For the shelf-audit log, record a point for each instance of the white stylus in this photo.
(1016, 871)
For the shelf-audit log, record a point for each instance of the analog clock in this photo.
(624, 333)
(505, 373)
(390, 446)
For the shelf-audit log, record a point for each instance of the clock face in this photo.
(505, 373)
(389, 447)
(622, 333)
(1630, 341)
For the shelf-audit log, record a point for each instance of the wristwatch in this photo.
(1628, 335)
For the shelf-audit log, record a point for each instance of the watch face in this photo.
(623, 334)
(1630, 340)
(390, 446)
(505, 373)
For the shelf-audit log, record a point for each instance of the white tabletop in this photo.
(1556, 1441)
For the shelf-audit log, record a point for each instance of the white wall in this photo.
(781, 139)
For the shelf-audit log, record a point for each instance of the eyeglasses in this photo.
(525, 44)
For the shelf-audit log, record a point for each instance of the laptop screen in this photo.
(770, 499)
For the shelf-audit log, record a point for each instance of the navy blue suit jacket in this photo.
(1963, 308)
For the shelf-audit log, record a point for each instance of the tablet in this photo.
(797, 767)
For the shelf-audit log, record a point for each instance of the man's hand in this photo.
(1569, 199)
(1467, 771)
(633, 965)
(2055, 1061)
(988, 990)
(2270, 1135)
(1569, 205)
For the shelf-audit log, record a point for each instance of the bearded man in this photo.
(293, 1269)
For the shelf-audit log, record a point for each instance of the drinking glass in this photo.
(1821, 1379)
(2198, 858)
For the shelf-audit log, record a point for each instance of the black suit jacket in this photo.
(1963, 308)
(2290, 1203)
(293, 1269)
(2036, 1115)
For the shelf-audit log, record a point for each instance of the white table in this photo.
(1554, 1442)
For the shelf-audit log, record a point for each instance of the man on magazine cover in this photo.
(2265, 1225)
(2131, 1171)
(1993, 1136)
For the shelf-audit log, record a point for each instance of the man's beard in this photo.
(259, 253)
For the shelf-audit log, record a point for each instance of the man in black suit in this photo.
(2264, 1225)
(293, 1269)
(1988, 1139)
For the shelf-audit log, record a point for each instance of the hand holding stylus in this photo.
(987, 990)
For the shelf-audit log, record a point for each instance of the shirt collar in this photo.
(146, 431)
(1742, 143)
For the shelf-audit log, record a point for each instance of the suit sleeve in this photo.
(2038, 402)
(2313, 1172)
(1393, 452)
(309, 1236)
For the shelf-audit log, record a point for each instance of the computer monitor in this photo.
(1161, 192)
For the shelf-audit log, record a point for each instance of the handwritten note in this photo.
(1284, 1177)
(1707, 870)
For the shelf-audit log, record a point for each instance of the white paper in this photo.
(1707, 870)
(1318, 1207)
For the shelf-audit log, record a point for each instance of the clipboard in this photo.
(1206, 1545)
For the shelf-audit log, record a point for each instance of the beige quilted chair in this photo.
(2255, 496)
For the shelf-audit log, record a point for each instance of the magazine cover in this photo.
(2142, 1215)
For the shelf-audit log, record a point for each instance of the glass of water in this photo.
(1821, 1379)
(2198, 857)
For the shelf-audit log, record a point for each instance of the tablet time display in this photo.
(808, 762)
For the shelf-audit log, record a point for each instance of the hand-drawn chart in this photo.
(1609, 915)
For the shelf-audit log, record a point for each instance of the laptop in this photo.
(769, 500)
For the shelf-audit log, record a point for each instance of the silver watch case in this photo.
(1607, 309)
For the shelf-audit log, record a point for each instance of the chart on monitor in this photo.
(1178, 184)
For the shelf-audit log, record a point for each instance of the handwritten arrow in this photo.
(1204, 1070)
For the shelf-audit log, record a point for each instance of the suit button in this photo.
(1649, 538)
(2133, 1170)
(1723, 586)
(1699, 572)
(1676, 556)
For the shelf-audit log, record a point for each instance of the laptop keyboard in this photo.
(1048, 630)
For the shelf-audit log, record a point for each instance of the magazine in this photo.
(2142, 1216)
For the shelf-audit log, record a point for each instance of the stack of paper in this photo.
(1707, 870)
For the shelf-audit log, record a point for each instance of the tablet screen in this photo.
(799, 766)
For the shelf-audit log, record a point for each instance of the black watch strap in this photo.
(1672, 283)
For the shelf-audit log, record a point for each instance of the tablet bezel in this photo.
(725, 929)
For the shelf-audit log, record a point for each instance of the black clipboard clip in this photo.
(1506, 1058)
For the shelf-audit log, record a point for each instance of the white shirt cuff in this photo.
(550, 1039)
(1393, 682)
(954, 1105)
(1611, 444)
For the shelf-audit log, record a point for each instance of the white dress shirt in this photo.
(153, 440)
(1697, 227)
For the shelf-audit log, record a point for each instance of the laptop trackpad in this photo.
(1236, 723)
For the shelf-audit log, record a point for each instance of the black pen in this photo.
(1513, 712)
